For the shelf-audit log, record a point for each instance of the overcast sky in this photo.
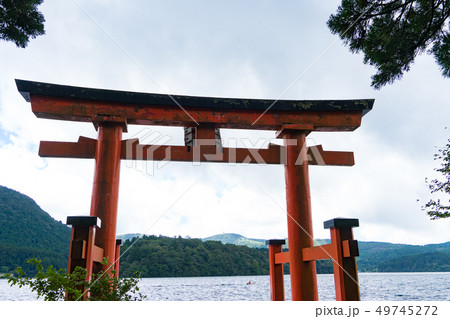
(263, 49)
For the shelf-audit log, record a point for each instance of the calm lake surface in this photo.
(373, 287)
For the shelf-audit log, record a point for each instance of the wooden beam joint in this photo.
(100, 119)
(282, 258)
(350, 248)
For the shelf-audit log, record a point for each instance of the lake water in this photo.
(373, 287)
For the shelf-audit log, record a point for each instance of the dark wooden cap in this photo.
(64, 91)
(341, 223)
(275, 242)
(84, 221)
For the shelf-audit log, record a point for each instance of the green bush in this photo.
(53, 284)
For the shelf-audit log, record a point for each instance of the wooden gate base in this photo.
(342, 250)
(83, 251)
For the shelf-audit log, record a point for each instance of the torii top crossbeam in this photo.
(85, 104)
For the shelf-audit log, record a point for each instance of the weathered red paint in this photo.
(82, 253)
(276, 274)
(132, 150)
(319, 252)
(344, 268)
(105, 192)
(300, 231)
(85, 110)
(117, 263)
(67, 149)
(111, 118)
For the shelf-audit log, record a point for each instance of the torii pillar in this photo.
(299, 219)
(105, 191)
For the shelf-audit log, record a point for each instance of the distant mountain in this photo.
(130, 236)
(380, 256)
(434, 261)
(26, 231)
(236, 239)
(374, 256)
(160, 256)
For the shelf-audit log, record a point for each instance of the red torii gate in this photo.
(202, 117)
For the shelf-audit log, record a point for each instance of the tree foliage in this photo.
(392, 33)
(20, 20)
(52, 284)
(435, 208)
(159, 256)
(26, 231)
(428, 262)
(178, 257)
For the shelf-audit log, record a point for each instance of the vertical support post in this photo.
(206, 132)
(117, 264)
(276, 270)
(207, 143)
(344, 268)
(105, 193)
(300, 231)
(82, 244)
(89, 251)
(70, 263)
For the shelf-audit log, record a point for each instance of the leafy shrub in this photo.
(54, 284)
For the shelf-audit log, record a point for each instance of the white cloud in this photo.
(234, 49)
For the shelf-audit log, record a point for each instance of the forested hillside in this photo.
(163, 256)
(387, 257)
(26, 231)
(237, 239)
(376, 256)
(177, 257)
(420, 262)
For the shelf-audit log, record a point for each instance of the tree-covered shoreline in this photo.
(26, 231)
